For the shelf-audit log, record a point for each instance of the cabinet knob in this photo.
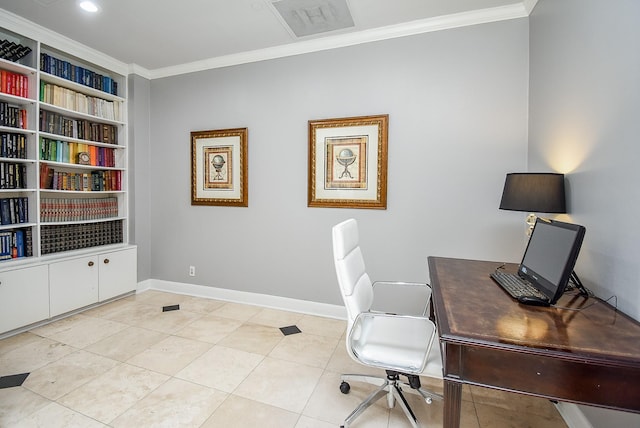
(106, 261)
(90, 263)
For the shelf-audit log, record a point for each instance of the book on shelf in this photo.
(28, 242)
(14, 84)
(5, 211)
(75, 73)
(77, 209)
(23, 210)
(19, 243)
(13, 145)
(96, 181)
(68, 237)
(12, 51)
(6, 246)
(13, 175)
(77, 101)
(12, 116)
(5, 45)
(54, 123)
(14, 210)
(46, 176)
(16, 243)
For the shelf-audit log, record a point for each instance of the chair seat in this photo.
(396, 342)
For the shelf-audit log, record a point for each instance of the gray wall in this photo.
(457, 102)
(584, 104)
(138, 90)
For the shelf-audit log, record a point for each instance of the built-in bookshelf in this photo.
(63, 152)
(81, 130)
(18, 162)
(63, 181)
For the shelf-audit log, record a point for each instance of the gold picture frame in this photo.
(348, 162)
(219, 167)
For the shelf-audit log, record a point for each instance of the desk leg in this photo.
(452, 404)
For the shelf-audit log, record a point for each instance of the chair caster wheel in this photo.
(344, 387)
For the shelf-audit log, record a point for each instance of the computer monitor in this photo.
(551, 256)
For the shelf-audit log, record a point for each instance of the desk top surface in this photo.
(472, 309)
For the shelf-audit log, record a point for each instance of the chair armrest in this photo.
(407, 298)
(402, 283)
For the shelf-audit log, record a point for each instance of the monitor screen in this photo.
(551, 255)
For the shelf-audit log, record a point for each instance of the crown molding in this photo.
(140, 71)
(52, 39)
(440, 23)
(529, 5)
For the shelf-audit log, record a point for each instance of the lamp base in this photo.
(531, 221)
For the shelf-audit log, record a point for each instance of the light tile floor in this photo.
(211, 364)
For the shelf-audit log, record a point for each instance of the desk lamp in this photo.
(534, 192)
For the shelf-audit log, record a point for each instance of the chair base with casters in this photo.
(400, 345)
(392, 388)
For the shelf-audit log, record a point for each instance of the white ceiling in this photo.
(161, 36)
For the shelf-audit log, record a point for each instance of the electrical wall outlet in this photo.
(192, 271)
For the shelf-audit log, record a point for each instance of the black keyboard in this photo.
(516, 286)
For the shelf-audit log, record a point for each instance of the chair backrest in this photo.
(355, 285)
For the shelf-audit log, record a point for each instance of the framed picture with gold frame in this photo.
(219, 167)
(348, 162)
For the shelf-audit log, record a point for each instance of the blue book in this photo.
(21, 210)
(5, 211)
(5, 245)
(20, 242)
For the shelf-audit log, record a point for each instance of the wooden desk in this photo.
(590, 356)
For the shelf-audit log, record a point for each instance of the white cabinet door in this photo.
(73, 284)
(24, 296)
(118, 273)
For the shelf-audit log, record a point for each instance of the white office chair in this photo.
(404, 345)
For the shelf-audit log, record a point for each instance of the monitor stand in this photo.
(578, 284)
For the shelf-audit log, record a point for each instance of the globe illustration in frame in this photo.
(346, 157)
(218, 162)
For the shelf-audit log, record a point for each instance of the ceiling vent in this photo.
(309, 17)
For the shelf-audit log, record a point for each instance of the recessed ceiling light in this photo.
(89, 6)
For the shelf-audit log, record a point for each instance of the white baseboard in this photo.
(144, 286)
(573, 416)
(263, 300)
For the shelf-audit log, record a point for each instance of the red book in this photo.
(11, 83)
(23, 119)
(3, 81)
(25, 87)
